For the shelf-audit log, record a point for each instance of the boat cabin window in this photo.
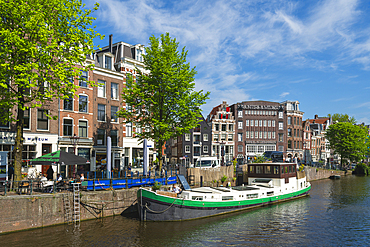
(276, 170)
(286, 169)
(259, 169)
(227, 198)
(290, 169)
(282, 170)
(270, 193)
(293, 168)
(268, 169)
(197, 198)
(251, 169)
(250, 196)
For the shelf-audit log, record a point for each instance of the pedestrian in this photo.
(82, 178)
(50, 173)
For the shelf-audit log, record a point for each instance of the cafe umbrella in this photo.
(59, 157)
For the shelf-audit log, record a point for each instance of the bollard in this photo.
(31, 187)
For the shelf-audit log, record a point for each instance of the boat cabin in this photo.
(272, 174)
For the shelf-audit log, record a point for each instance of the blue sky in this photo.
(316, 52)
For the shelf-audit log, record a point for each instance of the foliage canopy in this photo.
(162, 103)
(348, 140)
(41, 44)
(338, 117)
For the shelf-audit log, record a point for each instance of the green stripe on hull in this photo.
(231, 203)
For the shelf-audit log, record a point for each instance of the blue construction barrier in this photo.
(124, 183)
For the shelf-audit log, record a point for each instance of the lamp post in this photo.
(200, 155)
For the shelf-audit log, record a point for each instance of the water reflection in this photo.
(336, 213)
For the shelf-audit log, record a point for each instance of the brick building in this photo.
(259, 127)
(222, 121)
(294, 150)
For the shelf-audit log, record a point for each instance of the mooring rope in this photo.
(159, 212)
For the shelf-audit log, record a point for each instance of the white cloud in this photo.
(283, 95)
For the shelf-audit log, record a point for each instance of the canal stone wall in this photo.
(20, 212)
(314, 173)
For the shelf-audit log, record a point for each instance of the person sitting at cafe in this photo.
(82, 178)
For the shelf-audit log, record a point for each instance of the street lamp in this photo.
(74, 141)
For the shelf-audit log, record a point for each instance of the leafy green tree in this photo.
(347, 140)
(42, 42)
(260, 159)
(162, 103)
(337, 117)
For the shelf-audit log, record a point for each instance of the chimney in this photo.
(110, 43)
(316, 116)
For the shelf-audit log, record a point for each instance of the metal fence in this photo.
(95, 181)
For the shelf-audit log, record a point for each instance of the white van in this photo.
(207, 162)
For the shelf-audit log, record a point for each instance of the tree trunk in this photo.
(18, 146)
(159, 149)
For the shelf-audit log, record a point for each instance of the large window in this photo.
(42, 119)
(187, 149)
(205, 149)
(289, 120)
(223, 127)
(67, 127)
(82, 128)
(113, 113)
(84, 78)
(114, 90)
(101, 88)
(114, 137)
(240, 148)
(129, 129)
(240, 137)
(68, 104)
(100, 137)
(26, 119)
(240, 125)
(217, 127)
(82, 103)
(101, 112)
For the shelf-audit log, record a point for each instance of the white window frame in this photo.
(87, 127)
(102, 88)
(187, 148)
(240, 137)
(205, 149)
(280, 114)
(205, 137)
(273, 123)
(240, 125)
(281, 126)
(114, 91)
(187, 137)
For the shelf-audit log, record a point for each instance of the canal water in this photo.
(337, 213)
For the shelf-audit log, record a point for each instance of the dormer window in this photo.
(108, 62)
(139, 55)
